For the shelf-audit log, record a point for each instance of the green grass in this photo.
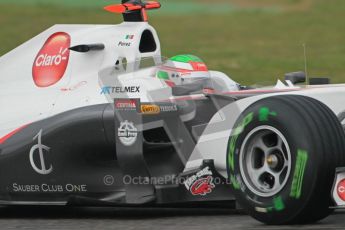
(252, 45)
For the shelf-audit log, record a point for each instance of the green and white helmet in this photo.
(183, 69)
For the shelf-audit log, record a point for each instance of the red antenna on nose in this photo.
(133, 10)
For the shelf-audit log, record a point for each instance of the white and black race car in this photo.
(93, 115)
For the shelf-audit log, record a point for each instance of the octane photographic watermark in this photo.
(108, 180)
(164, 180)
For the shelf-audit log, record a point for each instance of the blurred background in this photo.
(251, 40)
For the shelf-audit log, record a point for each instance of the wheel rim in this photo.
(265, 161)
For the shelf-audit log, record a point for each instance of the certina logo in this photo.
(126, 105)
(40, 149)
(127, 133)
(52, 60)
(117, 89)
(201, 183)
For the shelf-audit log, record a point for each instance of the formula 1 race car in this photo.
(93, 115)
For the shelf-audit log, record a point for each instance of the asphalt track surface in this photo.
(127, 219)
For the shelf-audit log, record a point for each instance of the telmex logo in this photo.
(127, 89)
(150, 109)
(52, 60)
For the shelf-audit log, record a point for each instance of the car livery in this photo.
(86, 121)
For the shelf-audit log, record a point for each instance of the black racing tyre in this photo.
(342, 119)
(281, 159)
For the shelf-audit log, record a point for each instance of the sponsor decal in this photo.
(156, 109)
(202, 186)
(125, 104)
(150, 109)
(52, 60)
(297, 182)
(48, 188)
(106, 90)
(201, 183)
(124, 44)
(39, 149)
(127, 133)
(168, 108)
(341, 189)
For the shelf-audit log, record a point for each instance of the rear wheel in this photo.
(282, 157)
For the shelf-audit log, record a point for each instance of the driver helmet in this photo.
(184, 69)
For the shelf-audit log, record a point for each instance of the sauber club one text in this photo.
(49, 188)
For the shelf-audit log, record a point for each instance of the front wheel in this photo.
(281, 159)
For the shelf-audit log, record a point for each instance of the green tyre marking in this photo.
(278, 204)
(232, 143)
(264, 114)
(297, 183)
(234, 182)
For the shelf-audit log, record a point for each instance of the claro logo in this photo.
(51, 62)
